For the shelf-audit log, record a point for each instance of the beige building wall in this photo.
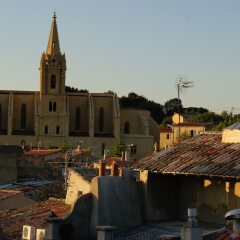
(81, 101)
(166, 139)
(18, 100)
(175, 118)
(77, 186)
(107, 104)
(187, 131)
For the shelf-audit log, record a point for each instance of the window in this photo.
(133, 149)
(126, 128)
(53, 81)
(57, 129)
(103, 148)
(23, 116)
(77, 118)
(52, 106)
(46, 129)
(168, 136)
(192, 133)
(101, 119)
(53, 44)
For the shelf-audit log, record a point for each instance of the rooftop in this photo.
(34, 215)
(204, 154)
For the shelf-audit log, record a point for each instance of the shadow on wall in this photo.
(76, 224)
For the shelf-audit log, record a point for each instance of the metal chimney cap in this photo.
(233, 214)
(192, 212)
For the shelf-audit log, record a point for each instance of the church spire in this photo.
(53, 41)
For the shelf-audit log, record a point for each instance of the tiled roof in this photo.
(4, 194)
(166, 130)
(9, 190)
(34, 215)
(41, 152)
(234, 126)
(203, 154)
(190, 124)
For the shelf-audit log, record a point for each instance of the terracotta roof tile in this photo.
(204, 154)
(34, 215)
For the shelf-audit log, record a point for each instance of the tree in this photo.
(171, 106)
(134, 100)
(72, 89)
(117, 149)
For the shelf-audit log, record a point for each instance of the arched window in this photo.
(101, 119)
(57, 129)
(23, 116)
(126, 129)
(53, 81)
(46, 129)
(77, 118)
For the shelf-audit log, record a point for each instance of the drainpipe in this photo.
(191, 229)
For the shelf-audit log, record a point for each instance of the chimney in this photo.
(191, 229)
(234, 216)
(127, 155)
(114, 169)
(101, 168)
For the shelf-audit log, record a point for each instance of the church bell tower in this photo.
(53, 108)
(53, 64)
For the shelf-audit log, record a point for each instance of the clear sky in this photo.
(129, 45)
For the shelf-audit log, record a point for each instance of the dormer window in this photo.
(53, 81)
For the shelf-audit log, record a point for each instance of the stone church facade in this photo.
(54, 117)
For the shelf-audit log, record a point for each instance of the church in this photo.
(54, 117)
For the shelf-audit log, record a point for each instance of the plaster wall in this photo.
(116, 202)
(168, 197)
(144, 144)
(77, 186)
(231, 136)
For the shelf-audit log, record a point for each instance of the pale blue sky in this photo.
(129, 45)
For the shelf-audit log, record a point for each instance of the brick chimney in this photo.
(114, 169)
(101, 168)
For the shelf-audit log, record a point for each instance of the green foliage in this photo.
(117, 149)
(171, 106)
(134, 100)
(72, 89)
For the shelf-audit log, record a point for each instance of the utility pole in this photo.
(180, 85)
